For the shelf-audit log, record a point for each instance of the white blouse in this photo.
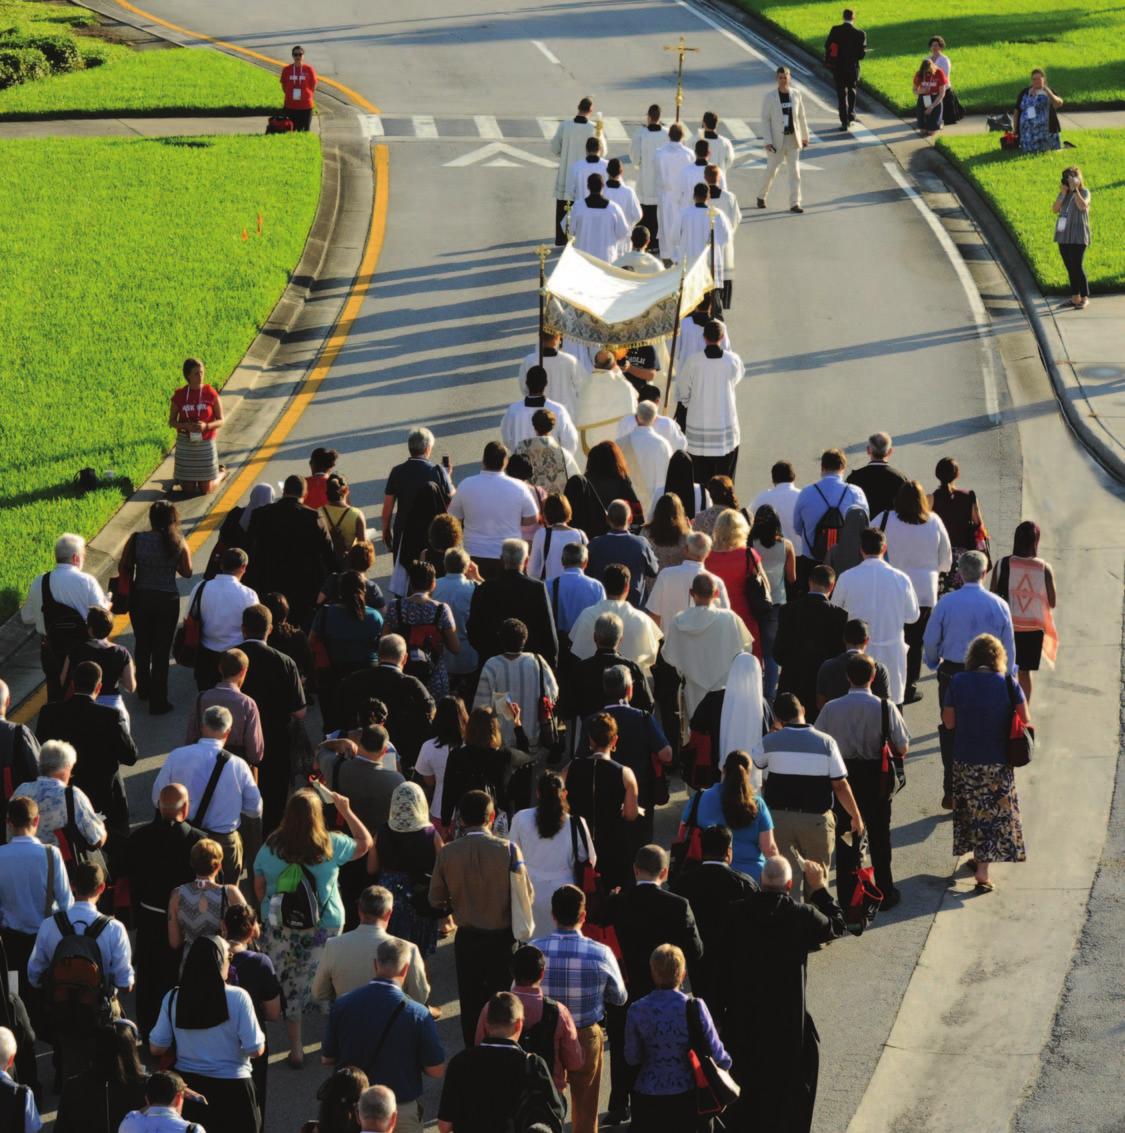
(920, 550)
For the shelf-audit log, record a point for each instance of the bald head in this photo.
(173, 803)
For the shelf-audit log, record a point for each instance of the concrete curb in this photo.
(273, 368)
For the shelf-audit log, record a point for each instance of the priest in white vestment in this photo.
(597, 224)
(693, 233)
(642, 153)
(663, 426)
(606, 398)
(693, 174)
(727, 203)
(623, 195)
(647, 454)
(672, 159)
(592, 162)
(568, 145)
(722, 151)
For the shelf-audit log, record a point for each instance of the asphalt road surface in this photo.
(849, 318)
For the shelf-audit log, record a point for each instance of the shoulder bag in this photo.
(757, 586)
(687, 848)
(121, 584)
(1021, 736)
(892, 776)
(715, 1088)
(549, 736)
(189, 636)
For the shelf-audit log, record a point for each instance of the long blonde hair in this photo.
(731, 531)
(302, 836)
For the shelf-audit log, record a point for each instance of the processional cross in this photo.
(683, 50)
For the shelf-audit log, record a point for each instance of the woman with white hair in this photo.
(51, 792)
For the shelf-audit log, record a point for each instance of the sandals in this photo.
(983, 886)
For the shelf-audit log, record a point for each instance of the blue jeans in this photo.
(767, 628)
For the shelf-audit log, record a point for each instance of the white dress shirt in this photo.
(220, 610)
(69, 587)
(641, 639)
(671, 592)
(236, 793)
(783, 499)
(492, 507)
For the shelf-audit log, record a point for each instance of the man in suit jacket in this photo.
(878, 480)
(19, 754)
(290, 550)
(511, 594)
(845, 46)
(785, 131)
(711, 888)
(349, 960)
(101, 738)
(472, 878)
(810, 630)
(645, 916)
(410, 707)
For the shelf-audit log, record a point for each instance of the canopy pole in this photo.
(675, 334)
(542, 252)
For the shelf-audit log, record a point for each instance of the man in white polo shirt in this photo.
(782, 497)
(492, 507)
(222, 600)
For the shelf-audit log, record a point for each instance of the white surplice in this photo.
(884, 598)
(693, 236)
(576, 187)
(516, 425)
(671, 160)
(722, 150)
(692, 176)
(568, 145)
(706, 386)
(598, 231)
(565, 377)
(643, 263)
(647, 454)
(642, 153)
(727, 203)
(625, 198)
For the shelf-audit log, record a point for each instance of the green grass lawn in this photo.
(122, 258)
(1022, 187)
(993, 44)
(147, 82)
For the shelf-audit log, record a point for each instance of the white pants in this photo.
(790, 153)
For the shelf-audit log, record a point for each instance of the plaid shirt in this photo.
(581, 973)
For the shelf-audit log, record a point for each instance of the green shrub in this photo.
(22, 65)
(60, 49)
(95, 52)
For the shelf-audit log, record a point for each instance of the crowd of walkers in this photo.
(493, 735)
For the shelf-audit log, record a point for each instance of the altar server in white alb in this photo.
(647, 454)
(598, 225)
(607, 397)
(785, 131)
(516, 425)
(624, 196)
(642, 153)
(568, 145)
(693, 174)
(565, 377)
(724, 201)
(884, 598)
(580, 171)
(722, 150)
(706, 390)
(693, 233)
(691, 340)
(663, 426)
(672, 159)
(639, 259)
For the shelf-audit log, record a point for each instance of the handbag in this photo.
(189, 636)
(660, 792)
(549, 736)
(893, 772)
(757, 586)
(523, 921)
(687, 849)
(1009, 141)
(715, 1088)
(122, 583)
(1021, 735)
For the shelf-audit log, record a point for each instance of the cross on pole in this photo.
(683, 49)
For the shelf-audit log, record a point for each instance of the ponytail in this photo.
(740, 806)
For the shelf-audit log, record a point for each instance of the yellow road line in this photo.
(354, 95)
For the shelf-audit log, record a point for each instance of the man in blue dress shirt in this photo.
(15, 1101)
(164, 1092)
(830, 491)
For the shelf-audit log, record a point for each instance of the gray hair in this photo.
(56, 756)
(513, 554)
(456, 561)
(618, 513)
(776, 873)
(7, 1047)
(377, 1105)
(217, 720)
(377, 902)
(646, 412)
(609, 629)
(574, 554)
(68, 547)
(880, 444)
(617, 681)
(392, 647)
(973, 565)
(419, 441)
(697, 546)
(392, 955)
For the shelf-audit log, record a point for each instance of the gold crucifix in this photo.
(683, 49)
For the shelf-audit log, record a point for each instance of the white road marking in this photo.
(547, 53)
(615, 131)
(481, 156)
(487, 126)
(371, 125)
(976, 304)
(425, 126)
(760, 163)
(739, 130)
(548, 126)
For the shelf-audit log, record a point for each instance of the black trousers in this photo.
(206, 669)
(650, 219)
(846, 79)
(1072, 256)
(483, 959)
(666, 682)
(865, 777)
(913, 633)
(52, 663)
(231, 1104)
(301, 119)
(667, 1113)
(157, 965)
(728, 291)
(154, 616)
(621, 1074)
(704, 467)
(560, 218)
(947, 670)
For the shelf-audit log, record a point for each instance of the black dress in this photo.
(405, 861)
(480, 769)
(595, 789)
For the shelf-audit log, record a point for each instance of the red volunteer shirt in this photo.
(298, 81)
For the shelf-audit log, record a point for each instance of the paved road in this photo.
(849, 319)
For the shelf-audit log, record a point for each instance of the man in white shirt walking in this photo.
(624, 196)
(663, 426)
(671, 160)
(222, 600)
(785, 131)
(597, 223)
(782, 497)
(516, 425)
(592, 162)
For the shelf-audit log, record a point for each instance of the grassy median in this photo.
(1021, 187)
(122, 258)
(993, 44)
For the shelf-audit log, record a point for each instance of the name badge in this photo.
(297, 92)
(195, 437)
(1029, 113)
(1060, 224)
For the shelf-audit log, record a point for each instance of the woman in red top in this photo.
(929, 86)
(197, 415)
(299, 84)
(322, 461)
(733, 561)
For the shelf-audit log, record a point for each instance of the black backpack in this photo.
(533, 1110)
(77, 992)
(424, 643)
(829, 525)
(300, 906)
(540, 1039)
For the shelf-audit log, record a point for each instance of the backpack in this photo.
(548, 464)
(533, 1111)
(300, 901)
(829, 525)
(64, 626)
(540, 1039)
(77, 989)
(424, 644)
(340, 542)
(279, 124)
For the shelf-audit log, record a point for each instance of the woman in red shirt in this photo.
(929, 86)
(732, 560)
(197, 415)
(299, 85)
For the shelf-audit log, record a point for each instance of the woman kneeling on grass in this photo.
(197, 415)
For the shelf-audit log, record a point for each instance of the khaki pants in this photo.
(586, 1084)
(813, 835)
(410, 1118)
(790, 153)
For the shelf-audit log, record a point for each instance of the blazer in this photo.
(880, 483)
(646, 916)
(290, 551)
(409, 703)
(348, 962)
(773, 121)
(851, 46)
(810, 630)
(587, 688)
(511, 594)
(103, 742)
(472, 877)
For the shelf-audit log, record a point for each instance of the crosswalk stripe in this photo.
(424, 126)
(739, 130)
(548, 126)
(487, 126)
(372, 126)
(614, 131)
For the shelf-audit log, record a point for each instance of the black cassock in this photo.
(769, 1032)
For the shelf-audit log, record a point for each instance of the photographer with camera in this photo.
(1072, 232)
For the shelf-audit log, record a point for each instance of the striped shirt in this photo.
(802, 764)
(581, 973)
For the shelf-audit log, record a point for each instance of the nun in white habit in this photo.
(742, 719)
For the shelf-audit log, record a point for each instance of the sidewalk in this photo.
(193, 125)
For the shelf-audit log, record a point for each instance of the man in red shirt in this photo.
(298, 82)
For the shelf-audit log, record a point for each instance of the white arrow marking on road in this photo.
(494, 148)
(502, 161)
(487, 126)
(738, 129)
(425, 126)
